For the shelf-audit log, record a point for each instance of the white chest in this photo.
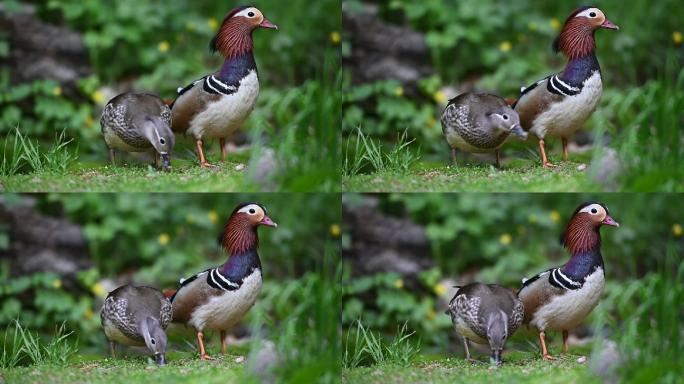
(114, 141)
(456, 141)
(224, 116)
(224, 311)
(564, 118)
(114, 334)
(464, 330)
(566, 311)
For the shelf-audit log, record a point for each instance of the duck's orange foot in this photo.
(548, 165)
(548, 357)
(207, 165)
(207, 357)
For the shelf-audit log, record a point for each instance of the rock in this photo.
(382, 243)
(263, 362)
(240, 167)
(384, 51)
(606, 361)
(39, 50)
(41, 243)
(606, 169)
(582, 359)
(582, 167)
(264, 169)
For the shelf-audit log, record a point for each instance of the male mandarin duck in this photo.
(485, 314)
(216, 105)
(479, 123)
(558, 105)
(137, 316)
(561, 298)
(218, 298)
(137, 122)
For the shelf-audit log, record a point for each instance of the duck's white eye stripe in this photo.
(250, 209)
(592, 209)
(590, 13)
(249, 12)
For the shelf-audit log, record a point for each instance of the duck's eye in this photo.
(162, 141)
(252, 211)
(152, 341)
(592, 14)
(594, 211)
(505, 117)
(250, 14)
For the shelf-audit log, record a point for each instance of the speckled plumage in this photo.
(120, 120)
(479, 123)
(126, 306)
(472, 304)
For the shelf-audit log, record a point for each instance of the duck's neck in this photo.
(583, 240)
(240, 265)
(580, 69)
(235, 68)
(583, 264)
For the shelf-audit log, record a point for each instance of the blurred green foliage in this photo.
(158, 47)
(157, 239)
(500, 46)
(502, 238)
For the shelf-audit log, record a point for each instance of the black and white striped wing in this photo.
(217, 280)
(560, 280)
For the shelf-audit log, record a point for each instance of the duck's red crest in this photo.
(576, 39)
(234, 37)
(239, 235)
(581, 235)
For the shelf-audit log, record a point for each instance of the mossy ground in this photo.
(130, 175)
(183, 367)
(518, 367)
(516, 175)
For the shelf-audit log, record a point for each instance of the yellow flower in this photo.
(677, 37)
(57, 283)
(555, 216)
(431, 121)
(97, 289)
(213, 24)
(163, 46)
(440, 97)
(439, 289)
(335, 37)
(97, 96)
(555, 24)
(213, 216)
(532, 26)
(399, 283)
(505, 46)
(335, 230)
(164, 238)
(57, 91)
(89, 314)
(505, 239)
(399, 91)
(431, 314)
(677, 230)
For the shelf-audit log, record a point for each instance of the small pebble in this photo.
(581, 167)
(240, 359)
(239, 167)
(582, 359)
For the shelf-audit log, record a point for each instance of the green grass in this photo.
(182, 367)
(135, 176)
(518, 367)
(514, 176)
